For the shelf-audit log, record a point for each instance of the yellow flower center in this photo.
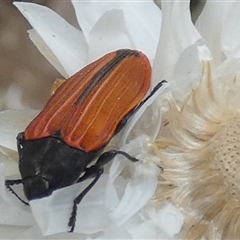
(226, 147)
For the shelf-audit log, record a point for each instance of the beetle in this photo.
(77, 123)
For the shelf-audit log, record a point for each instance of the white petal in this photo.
(112, 192)
(13, 215)
(115, 233)
(143, 20)
(160, 224)
(31, 233)
(177, 33)
(148, 230)
(139, 190)
(230, 35)
(11, 232)
(13, 212)
(231, 31)
(141, 178)
(108, 34)
(52, 213)
(170, 219)
(11, 123)
(14, 97)
(10, 163)
(188, 69)
(97, 9)
(66, 42)
(46, 52)
(117, 166)
(210, 26)
(230, 66)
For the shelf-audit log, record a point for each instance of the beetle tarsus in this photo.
(79, 198)
(72, 219)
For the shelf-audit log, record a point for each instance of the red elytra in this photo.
(89, 123)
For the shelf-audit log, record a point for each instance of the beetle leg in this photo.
(79, 198)
(105, 158)
(94, 171)
(9, 183)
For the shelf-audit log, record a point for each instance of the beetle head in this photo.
(36, 187)
(47, 164)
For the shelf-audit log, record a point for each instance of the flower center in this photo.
(226, 147)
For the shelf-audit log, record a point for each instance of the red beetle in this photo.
(78, 121)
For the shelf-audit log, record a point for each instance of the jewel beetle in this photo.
(78, 121)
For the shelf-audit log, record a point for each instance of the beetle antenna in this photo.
(9, 183)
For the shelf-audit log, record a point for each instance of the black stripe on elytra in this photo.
(121, 54)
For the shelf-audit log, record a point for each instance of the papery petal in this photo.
(13, 212)
(52, 213)
(35, 233)
(148, 230)
(119, 232)
(142, 19)
(11, 123)
(65, 41)
(230, 66)
(10, 165)
(145, 28)
(113, 190)
(117, 166)
(32, 233)
(160, 224)
(177, 33)
(13, 215)
(12, 232)
(47, 52)
(97, 9)
(188, 69)
(210, 25)
(230, 41)
(142, 179)
(139, 190)
(170, 219)
(14, 97)
(108, 34)
(231, 30)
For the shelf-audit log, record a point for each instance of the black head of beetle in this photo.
(47, 164)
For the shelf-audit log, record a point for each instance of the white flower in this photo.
(69, 49)
(199, 142)
(182, 54)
